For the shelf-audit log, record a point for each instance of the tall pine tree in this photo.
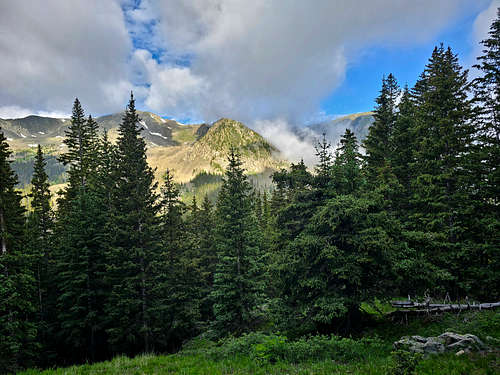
(237, 289)
(134, 242)
(40, 227)
(17, 292)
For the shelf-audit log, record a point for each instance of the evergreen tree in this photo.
(82, 142)
(401, 157)
(378, 142)
(17, 303)
(134, 241)
(347, 177)
(443, 136)
(40, 226)
(323, 169)
(79, 257)
(177, 287)
(202, 229)
(237, 288)
(486, 195)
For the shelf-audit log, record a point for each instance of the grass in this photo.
(259, 353)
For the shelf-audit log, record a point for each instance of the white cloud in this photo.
(243, 59)
(291, 146)
(263, 59)
(9, 112)
(55, 50)
(482, 25)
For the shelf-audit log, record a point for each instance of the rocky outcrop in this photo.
(447, 342)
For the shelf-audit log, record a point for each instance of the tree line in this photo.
(123, 266)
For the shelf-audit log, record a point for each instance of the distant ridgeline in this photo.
(196, 154)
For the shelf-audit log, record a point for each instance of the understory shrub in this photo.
(275, 348)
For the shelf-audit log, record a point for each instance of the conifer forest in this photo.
(117, 264)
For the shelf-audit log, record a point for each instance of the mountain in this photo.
(187, 150)
(334, 129)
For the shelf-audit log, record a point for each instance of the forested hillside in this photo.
(124, 267)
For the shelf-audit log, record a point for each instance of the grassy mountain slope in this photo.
(185, 149)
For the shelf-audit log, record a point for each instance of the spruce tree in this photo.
(441, 162)
(82, 142)
(175, 298)
(347, 177)
(401, 157)
(17, 293)
(79, 263)
(323, 168)
(377, 144)
(134, 241)
(484, 253)
(200, 227)
(237, 288)
(40, 226)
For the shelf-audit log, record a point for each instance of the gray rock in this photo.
(447, 342)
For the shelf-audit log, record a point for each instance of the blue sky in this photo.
(363, 76)
(273, 62)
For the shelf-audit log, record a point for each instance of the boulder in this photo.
(447, 342)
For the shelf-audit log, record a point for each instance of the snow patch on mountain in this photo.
(158, 135)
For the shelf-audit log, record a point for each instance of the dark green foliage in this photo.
(271, 348)
(340, 260)
(442, 180)
(377, 144)
(40, 227)
(82, 142)
(23, 165)
(201, 228)
(134, 242)
(79, 259)
(401, 157)
(237, 288)
(486, 164)
(323, 169)
(347, 177)
(175, 297)
(404, 363)
(79, 272)
(17, 285)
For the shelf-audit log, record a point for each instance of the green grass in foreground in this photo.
(259, 353)
(179, 364)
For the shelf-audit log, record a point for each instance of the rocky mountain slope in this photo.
(185, 149)
(334, 129)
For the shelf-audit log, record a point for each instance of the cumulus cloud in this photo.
(55, 50)
(482, 25)
(262, 59)
(199, 59)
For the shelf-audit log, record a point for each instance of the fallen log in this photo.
(441, 308)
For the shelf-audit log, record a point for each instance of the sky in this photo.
(266, 63)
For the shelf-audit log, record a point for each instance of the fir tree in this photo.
(40, 226)
(401, 157)
(134, 241)
(82, 142)
(347, 177)
(237, 288)
(79, 256)
(17, 292)
(377, 144)
(486, 195)
(443, 136)
(177, 286)
(323, 168)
